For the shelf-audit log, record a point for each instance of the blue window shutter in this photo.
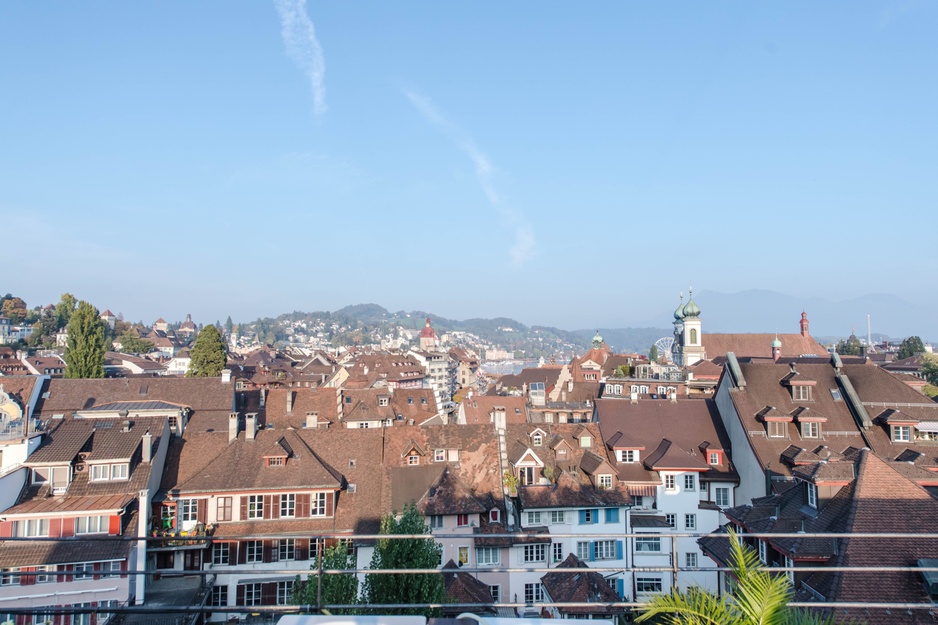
(619, 551)
(592, 551)
(596, 516)
(612, 515)
(582, 517)
(620, 587)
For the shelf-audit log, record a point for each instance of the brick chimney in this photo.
(250, 426)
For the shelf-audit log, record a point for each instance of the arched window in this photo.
(693, 336)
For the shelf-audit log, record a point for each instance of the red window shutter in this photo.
(240, 594)
(275, 508)
(96, 567)
(6, 529)
(302, 506)
(302, 549)
(330, 503)
(269, 592)
(242, 548)
(268, 506)
(202, 511)
(55, 528)
(271, 551)
(28, 580)
(244, 516)
(114, 525)
(68, 527)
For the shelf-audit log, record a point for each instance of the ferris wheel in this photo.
(664, 346)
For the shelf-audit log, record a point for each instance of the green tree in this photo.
(337, 588)
(910, 347)
(132, 343)
(623, 371)
(208, 354)
(84, 351)
(930, 368)
(64, 310)
(229, 325)
(15, 309)
(850, 347)
(653, 354)
(405, 553)
(760, 598)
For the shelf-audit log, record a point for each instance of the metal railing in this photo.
(673, 568)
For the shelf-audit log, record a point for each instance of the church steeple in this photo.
(804, 323)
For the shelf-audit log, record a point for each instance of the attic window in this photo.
(586, 441)
(423, 400)
(810, 429)
(714, 457)
(410, 400)
(382, 401)
(351, 463)
(800, 392)
(348, 399)
(276, 461)
(835, 393)
(776, 429)
(901, 433)
(439, 455)
(413, 459)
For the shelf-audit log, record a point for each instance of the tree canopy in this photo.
(930, 368)
(910, 347)
(132, 343)
(850, 347)
(336, 588)
(653, 354)
(84, 351)
(208, 355)
(64, 309)
(405, 553)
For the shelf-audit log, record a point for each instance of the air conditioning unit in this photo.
(79, 467)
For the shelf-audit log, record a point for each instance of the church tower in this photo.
(804, 323)
(678, 332)
(429, 341)
(692, 350)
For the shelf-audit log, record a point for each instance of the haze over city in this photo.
(250, 159)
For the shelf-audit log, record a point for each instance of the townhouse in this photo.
(672, 457)
(90, 478)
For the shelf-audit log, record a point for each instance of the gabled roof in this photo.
(669, 456)
(584, 586)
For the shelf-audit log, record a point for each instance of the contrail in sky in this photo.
(523, 249)
(299, 39)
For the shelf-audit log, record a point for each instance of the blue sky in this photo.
(562, 164)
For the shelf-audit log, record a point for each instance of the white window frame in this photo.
(810, 429)
(435, 521)
(255, 506)
(557, 516)
(534, 518)
(670, 483)
(556, 551)
(902, 433)
(120, 471)
(714, 457)
(534, 553)
(604, 550)
(671, 519)
(97, 524)
(221, 554)
(646, 585)
(439, 455)
(318, 504)
(690, 481)
(252, 594)
(287, 505)
(812, 495)
(254, 551)
(284, 592)
(648, 544)
(690, 560)
(488, 556)
(534, 593)
(605, 481)
(583, 550)
(690, 522)
(286, 549)
(100, 472)
(725, 492)
(776, 429)
(188, 510)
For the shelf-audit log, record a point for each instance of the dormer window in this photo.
(801, 392)
(901, 433)
(105, 472)
(537, 440)
(810, 429)
(777, 429)
(604, 481)
(628, 455)
(413, 460)
(812, 495)
(439, 455)
(382, 401)
(276, 461)
(713, 457)
(586, 441)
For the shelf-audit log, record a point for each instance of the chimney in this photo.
(147, 447)
(633, 397)
(225, 376)
(312, 419)
(289, 402)
(125, 425)
(263, 397)
(233, 426)
(250, 426)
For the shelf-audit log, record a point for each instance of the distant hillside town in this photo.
(211, 466)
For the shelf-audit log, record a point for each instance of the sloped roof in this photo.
(760, 345)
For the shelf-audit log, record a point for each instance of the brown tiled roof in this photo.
(478, 409)
(547, 375)
(32, 553)
(580, 587)
(464, 588)
(760, 345)
(53, 505)
(685, 424)
(210, 400)
(323, 401)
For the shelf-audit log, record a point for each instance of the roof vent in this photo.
(352, 488)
